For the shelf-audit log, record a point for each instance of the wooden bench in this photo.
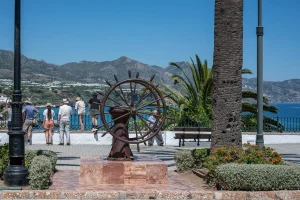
(192, 133)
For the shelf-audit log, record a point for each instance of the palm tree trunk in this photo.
(227, 77)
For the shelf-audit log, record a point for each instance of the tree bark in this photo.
(227, 74)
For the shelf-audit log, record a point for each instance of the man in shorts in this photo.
(94, 110)
(28, 118)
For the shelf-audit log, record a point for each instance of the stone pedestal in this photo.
(143, 170)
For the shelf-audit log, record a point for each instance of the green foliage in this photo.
(140, 126)
(184, 160)
(199, 156)
(249, 154)
(258, 177)
(50, 155)
(29, 155)
(250, 124)
(40, 172)
(4, 158)
(195, 101)
(188, 159)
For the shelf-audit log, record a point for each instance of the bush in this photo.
(29, 155)
(51, 155)
(4, 158)
(40, 172)
(258, 177)
(249, 154)
(184, 160)
(199, 156)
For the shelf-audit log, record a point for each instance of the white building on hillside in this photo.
(4, 98)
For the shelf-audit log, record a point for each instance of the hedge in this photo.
(258, 177)
(40, 172)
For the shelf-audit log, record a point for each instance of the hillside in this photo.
(97, 72)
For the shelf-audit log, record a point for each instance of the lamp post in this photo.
(16, 173)
(259, 34)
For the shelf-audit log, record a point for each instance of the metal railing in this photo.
(74, 122)
(275, 124)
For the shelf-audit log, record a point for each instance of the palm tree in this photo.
(195, 99)
(227, 74)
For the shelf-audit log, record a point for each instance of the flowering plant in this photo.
(248, 154)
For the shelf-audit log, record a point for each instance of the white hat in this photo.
(65, 101)
(154, 111)
(48, 105)
(28, 101)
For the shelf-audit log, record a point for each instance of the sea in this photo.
(286, 110)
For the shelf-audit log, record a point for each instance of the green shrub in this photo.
(184, 160)
(199, 156)
(40, 172)
(4, 158)
(259, 177)
(29, 155)
(51, 155)
(248, 154)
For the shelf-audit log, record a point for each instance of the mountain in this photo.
(279, 91)
(83, 71)
(97, 72)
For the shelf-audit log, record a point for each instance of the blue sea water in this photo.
(288, 110)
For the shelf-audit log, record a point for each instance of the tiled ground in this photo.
(69, 156)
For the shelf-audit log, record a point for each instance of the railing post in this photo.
(277, 123)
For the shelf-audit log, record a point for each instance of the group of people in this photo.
(30, 114)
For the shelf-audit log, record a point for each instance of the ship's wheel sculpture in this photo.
(129, 104)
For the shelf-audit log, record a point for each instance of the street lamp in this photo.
(259, 33)
(16, 173)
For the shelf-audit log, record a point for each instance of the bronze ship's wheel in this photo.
(137, 99)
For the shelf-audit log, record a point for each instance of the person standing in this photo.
(48, 122)
(9, 112)
(80, 107)
(64, 113)
(28, 118)
(158, 138)
(94, 110)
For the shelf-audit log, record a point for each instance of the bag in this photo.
(35, 123)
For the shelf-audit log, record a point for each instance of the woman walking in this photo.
(48, 123)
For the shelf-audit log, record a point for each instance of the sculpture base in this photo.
(142, 170)
(16, 175)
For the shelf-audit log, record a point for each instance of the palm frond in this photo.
(246, 71)
(252, 95)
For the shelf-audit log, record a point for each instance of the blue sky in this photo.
(154, 32)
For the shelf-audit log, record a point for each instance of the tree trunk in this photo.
(227, 74)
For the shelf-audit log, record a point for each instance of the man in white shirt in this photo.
(64, 113)
(158, 138)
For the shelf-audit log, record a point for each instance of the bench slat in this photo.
(192, 136)
(197, 129)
